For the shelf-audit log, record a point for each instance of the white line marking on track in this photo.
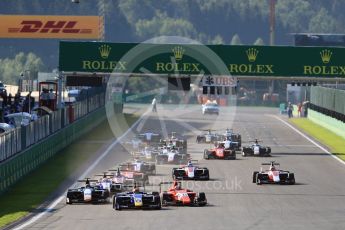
(59, 199)
(309, 139)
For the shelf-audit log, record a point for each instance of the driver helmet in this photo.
(189, 163)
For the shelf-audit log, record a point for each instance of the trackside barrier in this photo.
(327, 122)
(18, 140)
(21, 164)
(331, 99)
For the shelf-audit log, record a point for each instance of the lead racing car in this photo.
(273, 175)
(190, 172)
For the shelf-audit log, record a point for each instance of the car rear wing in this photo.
(105, 175)
(87, 180)
(271, 163)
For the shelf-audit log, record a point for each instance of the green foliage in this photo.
(236, 40)
(164, 25)
(217, 40)
(207, 21)
(259, 42)
(10, 69)
(322, 22)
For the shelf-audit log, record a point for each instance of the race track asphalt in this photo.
(317, 201)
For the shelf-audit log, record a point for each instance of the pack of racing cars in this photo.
(122, 185)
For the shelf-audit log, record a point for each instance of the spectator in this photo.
(44, 97)
(154, 105)
(299, 109)
(9, 99)
(51, 98)
(290, 109)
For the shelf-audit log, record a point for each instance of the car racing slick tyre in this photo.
(207, 174)
(165, 199)
(258, 179)
(254, 176)
(292, 178)
(68, 201)
(206, 155)
(116, 204)
(244, 154)
(201, 200)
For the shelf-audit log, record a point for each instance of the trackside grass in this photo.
(32, 191)
(335, 143)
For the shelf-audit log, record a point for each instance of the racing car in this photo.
(220, 152)
(273, 175)
(208, 137)
(150, 137)
(134, 144)
(256, 150)
(88, 193)
(148, 153)
(114, 182)
(139, 166)
(137, 200)
(234, 137)
(176, 195)
(176, 140)
(171, 155)
(190, 172)
(130, 174)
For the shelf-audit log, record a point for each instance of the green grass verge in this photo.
(334, 142)
(30, 192)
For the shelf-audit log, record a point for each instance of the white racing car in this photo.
(190, 172)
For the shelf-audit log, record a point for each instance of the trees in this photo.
(236, 40)
(10, 69)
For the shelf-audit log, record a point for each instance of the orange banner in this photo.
(42, 26)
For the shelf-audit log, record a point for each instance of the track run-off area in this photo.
(316, 201)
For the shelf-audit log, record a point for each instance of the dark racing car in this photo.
(256, 150)
(88, 193)
(137, 200)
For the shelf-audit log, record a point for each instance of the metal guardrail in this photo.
(21, 138)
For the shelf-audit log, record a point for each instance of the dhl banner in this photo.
(42, 26)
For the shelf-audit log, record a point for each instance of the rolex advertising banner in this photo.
(57, 26)
(182, 59)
